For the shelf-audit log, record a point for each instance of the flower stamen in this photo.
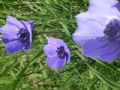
(61, 52)
(23, 35)
(112, 30)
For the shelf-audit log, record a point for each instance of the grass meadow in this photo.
(28, 71)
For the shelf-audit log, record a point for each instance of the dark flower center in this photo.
(112, 30)
(61, 52)
(23, 35)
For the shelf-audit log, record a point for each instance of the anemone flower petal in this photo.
(68, 56)
(101, 48)
(50, 50)
(117, 5)
(14, 46)
(13, 21)
(60, 63)
(58, 42)
(51, 61)
(88, 29)
(31, 22)
(55, 62)
(9, 32)
(102, 3)
(103, 7)
(27, 45)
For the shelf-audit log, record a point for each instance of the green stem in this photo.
(51, 33)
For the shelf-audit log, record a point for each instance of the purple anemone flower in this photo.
(98, 31)
(16, 35)
(57, 53)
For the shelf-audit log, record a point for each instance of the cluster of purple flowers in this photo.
(17, 35)
(98, 34)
